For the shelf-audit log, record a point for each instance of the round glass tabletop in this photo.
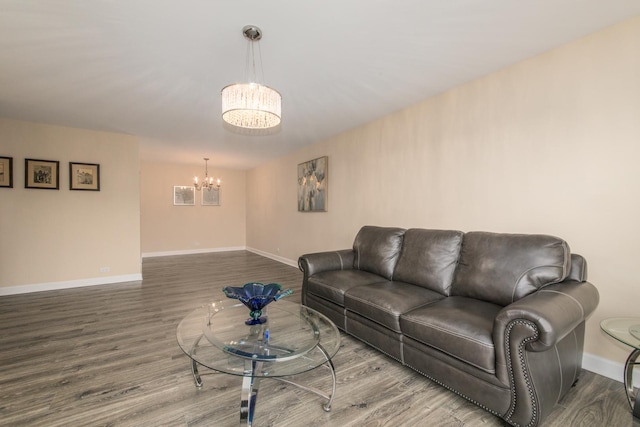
(217, 337)
(624, 329)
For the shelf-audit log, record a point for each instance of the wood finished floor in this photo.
(107, 356)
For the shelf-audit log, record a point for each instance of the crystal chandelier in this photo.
(208, 183)
(251, 106)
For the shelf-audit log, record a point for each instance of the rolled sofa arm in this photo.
(536, 355)
(319, 262)
(311, 264)
(555, 310)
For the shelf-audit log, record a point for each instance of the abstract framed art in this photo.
(313, 185)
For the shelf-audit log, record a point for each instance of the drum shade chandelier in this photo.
(252, 105)
(209, 182)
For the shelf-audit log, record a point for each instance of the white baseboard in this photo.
(192, 251)
(608, 368)
(278, 258)
(53, 286)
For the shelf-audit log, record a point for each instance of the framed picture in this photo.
(313, 185)
(6, 172)
(184, 195)
(211, 197)
(84, 176)
(44, 174)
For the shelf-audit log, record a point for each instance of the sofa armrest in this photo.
(535, 344)
(319, 262)
(311, 264)
(554, 310)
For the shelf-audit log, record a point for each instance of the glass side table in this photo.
(627, 331)
(294, 339)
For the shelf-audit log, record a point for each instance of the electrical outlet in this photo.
(104, 269)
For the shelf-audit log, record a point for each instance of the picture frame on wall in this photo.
(184, 195)
(84, 176)
(313, 185)
(42, 174)
(210, 197)
(6, 172)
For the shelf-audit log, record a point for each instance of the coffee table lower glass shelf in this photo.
(627, 331)
(295, 339)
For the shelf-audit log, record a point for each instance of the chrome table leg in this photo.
(328, 364)
(250, 384)
(327, 406)
(632, 397)
(194, 364)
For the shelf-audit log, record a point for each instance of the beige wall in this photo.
(49, 236)
(550, 145)
(168, 229)
(56, 239)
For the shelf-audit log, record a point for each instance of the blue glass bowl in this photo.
(256, 296)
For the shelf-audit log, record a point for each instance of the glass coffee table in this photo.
(627, 331)
(294, 339)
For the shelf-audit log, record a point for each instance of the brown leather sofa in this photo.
(497, 318)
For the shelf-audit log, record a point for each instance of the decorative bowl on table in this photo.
(256, 296)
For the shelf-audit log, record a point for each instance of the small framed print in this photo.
(210, 197)
(184, 195)
(6, 172)
(84, 176)
(44, 174)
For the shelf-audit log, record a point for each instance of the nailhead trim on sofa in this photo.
(525, 372)
(455, 391)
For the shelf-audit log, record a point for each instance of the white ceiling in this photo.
(155, 68)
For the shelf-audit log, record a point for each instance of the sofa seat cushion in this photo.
(459, 326)
(331, 285)
(385, 302)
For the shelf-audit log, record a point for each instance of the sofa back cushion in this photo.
(502, 268)
(377, 249)
(428, 258)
